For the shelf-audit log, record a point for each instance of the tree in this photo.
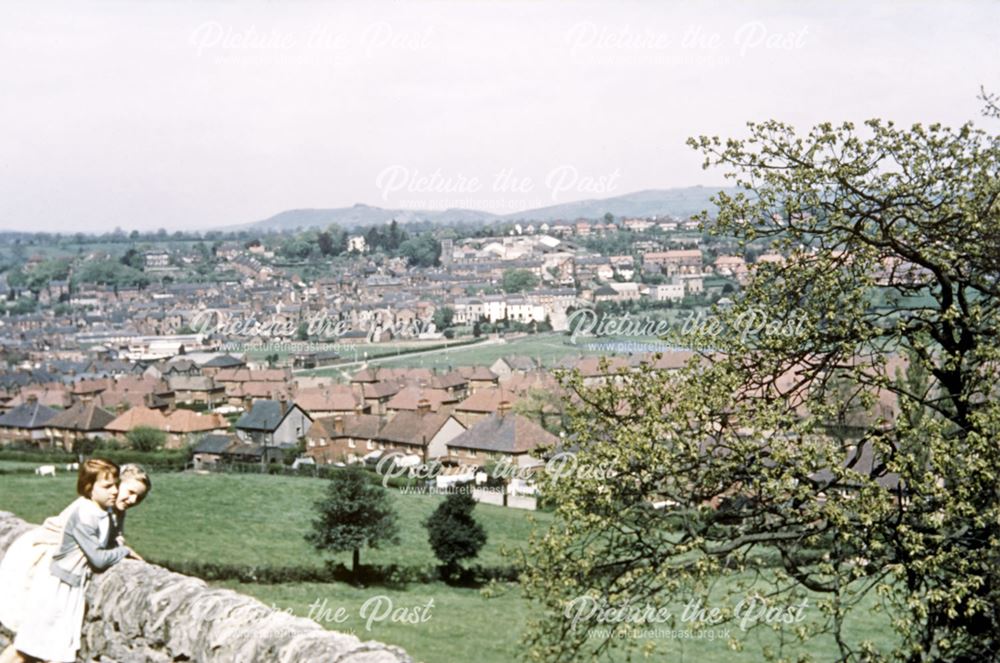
(518, 280)
(421, 251)
(544, 406)
(354, 514)
(850, 437)
(146, 438)
(325, 242)
(453, 533)
(443, 317)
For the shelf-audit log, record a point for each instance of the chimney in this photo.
(338, 424)
(503, 407)
(283, 402)
(31, 399)
(423, 405)
(247, 404)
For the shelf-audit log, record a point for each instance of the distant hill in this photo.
(652, 202)
(681, 202)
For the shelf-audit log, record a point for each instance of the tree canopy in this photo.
(453, 532)
(834, 439)
(354, 514)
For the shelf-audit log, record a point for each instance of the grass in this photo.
(19, 465)
(257, 520)
(462, 624)
(468, 624)
(548, 348)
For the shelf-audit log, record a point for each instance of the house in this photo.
(349, 439)
(684, 261)
(500, 436)
(342, 439)
(667, 292)
(626, 291)
(504, 366)
(314, 359)
(82, 420)
(356, 243)
(421, 432)
(694, 284)
(377, 395)
(330, 401)
(221, 362)
(196, 389)
(180, 426)
(210, 449)
(482, 404)
(453, 382)
(412, 398)
(606, 294)
(25, 422)
(482, 378)
(156, 260)
(56, 396)
(215, 449)
(120, 399)
(273, 423)
(176, 367)
(243, 393)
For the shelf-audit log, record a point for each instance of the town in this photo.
(175, 342)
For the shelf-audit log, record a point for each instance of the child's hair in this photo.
(91, 470)
(136, 472)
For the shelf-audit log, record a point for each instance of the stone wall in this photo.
(142, 613)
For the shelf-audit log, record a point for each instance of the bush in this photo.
(390, 574)
(453, 533)
(162, 461)
(145, 438)
(353, 514)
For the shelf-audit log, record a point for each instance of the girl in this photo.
(50, 627)
(133, 486)
(33, 550)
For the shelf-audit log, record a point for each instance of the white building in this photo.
(668, 291)
(357, 243)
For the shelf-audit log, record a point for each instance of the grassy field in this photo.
(19, 465)
(258, 520)
(486, 625)
(546, 348)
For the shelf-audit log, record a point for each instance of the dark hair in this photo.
(91, 470)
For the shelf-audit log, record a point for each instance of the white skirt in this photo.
(25, 559)
(53, 617)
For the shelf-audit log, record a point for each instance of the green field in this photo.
(486, 625)
(256, 520)
(545, 348)
(19, 466)
(261, 520)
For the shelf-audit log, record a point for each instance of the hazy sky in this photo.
(190, 115)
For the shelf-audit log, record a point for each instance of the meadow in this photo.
(548, 349)
(261, 520)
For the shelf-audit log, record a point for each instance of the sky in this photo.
(199, 114)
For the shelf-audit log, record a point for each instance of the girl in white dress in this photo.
(32, 551)
(49, 629)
